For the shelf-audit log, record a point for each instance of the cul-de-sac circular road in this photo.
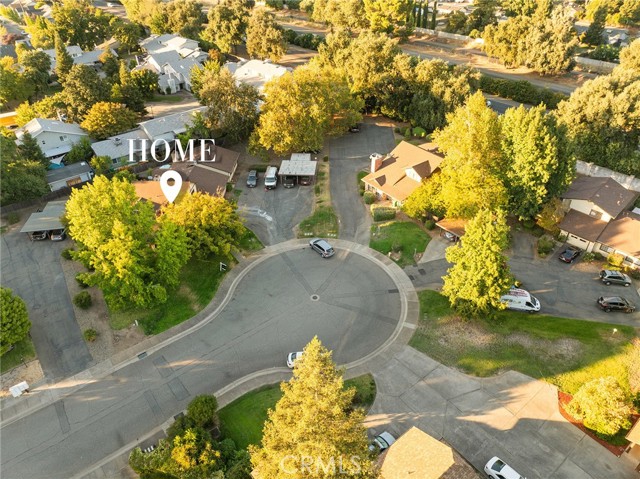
(355, 302)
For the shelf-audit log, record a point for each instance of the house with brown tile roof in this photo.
(151, 191)
(397, 175)
(598, 220)
(417, 455)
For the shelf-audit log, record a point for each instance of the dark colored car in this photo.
(252, 179)
(354, 129)
(616, 303)
(38, 235)
(614, 277)
(288, 181)
(58, 235)
(304, 180)
(322, 247)
(569, 255)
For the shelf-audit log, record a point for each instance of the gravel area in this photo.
(31, 372)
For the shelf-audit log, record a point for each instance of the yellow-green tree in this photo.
(473, 155)
(14, 319)
(303, 107)
(314, 421)
(480, 274)
(106, 119)
(210, 222)
(264, 36)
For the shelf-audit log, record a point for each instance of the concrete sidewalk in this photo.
(512, 416)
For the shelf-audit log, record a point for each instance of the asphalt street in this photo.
(33, 271)
(348, 301)
(349, 154)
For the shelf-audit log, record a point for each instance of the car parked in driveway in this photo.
(616, 303)
(38, 235)
(288, 181)
(252, 179)
(569, 255)
(304, 180)
(292, 358)
(614, 277)
(496, 468)
(322, 247)
(382, 442)
(58, 235)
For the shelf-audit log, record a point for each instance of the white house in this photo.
(79, 57)
(597, 218)
(170, 126)
(256, 72)
(55, 138)
(170, 42)
(117, 147)
(70, 175)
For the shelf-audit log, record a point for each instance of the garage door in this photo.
(574, 240)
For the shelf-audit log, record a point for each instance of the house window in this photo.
(632, 260)
(606, 249)
(115, 161)
(595, 214)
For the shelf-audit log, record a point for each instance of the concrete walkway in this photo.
(512, 416)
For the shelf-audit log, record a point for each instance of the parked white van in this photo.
(521, 300)
(271, 178)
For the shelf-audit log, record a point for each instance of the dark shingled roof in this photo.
(583, 226)
(606, 193)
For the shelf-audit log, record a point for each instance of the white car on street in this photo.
(496, 468)
(292, 357)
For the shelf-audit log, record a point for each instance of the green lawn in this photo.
(405, 238)
(249, 241)
(243, 419)
(323, 222)
(167, 98)
(200, 279)
(565, 352)
(23, 350)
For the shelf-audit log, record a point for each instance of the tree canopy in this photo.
(83, 88)
(78, 22)
(14, 319)
(227, 24)
(264, 36)
(106, 119)
(22, 175)
(480, 274)
(314, 419)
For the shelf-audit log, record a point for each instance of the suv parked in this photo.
(614, 277)
(58, 235)
(289, 181)
(38, 235)
(322, 247)
(496, 468)
(252, 179)
(616, 303)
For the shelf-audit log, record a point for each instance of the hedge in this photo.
(382, 213)
(304, 40)
(82, 300)
(521, 91)
(369, 197)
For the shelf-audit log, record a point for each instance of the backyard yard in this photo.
(402, 239)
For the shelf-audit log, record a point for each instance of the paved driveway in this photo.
(273, 214)
(350, 302)
(348, 155)
(33, 271)
(512, 416)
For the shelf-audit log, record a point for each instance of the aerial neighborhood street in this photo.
(320, 239)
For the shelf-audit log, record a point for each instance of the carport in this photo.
(452, 226)
(46, 220)
(300, 168)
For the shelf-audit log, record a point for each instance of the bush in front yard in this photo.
(369, 197)
(429, 224)
(80, 280)
(545, 245)
(602, 405)
(588, 257)
(90, 335)
(615, 260)
(66, 253)
(82, 300)
(382, 213)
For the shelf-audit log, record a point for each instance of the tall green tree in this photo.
(595, 32)
(64, 62)
(227, 24)
(303, 107)
(35, 65)
(233, 108)
(314, 419)
(83, 88)
(127, 92)
(211, 223)
(340, 13)
(473, 155)
(106, 119)
(480, 274)
(172, 253)
(386, 15)
(41, 31)
(20, 178)
(513, 8)
(29, 150)
(128, 34)
(146, 82)
(13, 86)
(49, 107)
(14, 319)
(264, 36)
(78, 22)
(537, 166)
(185, 17)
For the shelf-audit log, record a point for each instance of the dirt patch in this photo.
(459, 333)
(30, 372)
(565, 348)
(108, 342)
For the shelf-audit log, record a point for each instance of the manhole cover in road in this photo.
(315, 297)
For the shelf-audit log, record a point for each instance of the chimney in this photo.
(117, 141)
(376, 161)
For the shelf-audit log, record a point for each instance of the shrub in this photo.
(67, 254)
(545, 245)
(398, 130)
(260, 168)
(615, 260)
(13, 218)
(521, 91)
(82, 300)
(293, 4)
(419, 132)
(90, 335)
(203, 410)
(325, 158)
(382, 213)
(289, 35)
(369, 197)
(229, 187)
(429, 224)
(407, 133)
(602, 405)
(277, 4)
(605, 53)
(529, 223)
(588, 257)
(80, 279)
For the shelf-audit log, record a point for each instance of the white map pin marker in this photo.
(171, 191)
